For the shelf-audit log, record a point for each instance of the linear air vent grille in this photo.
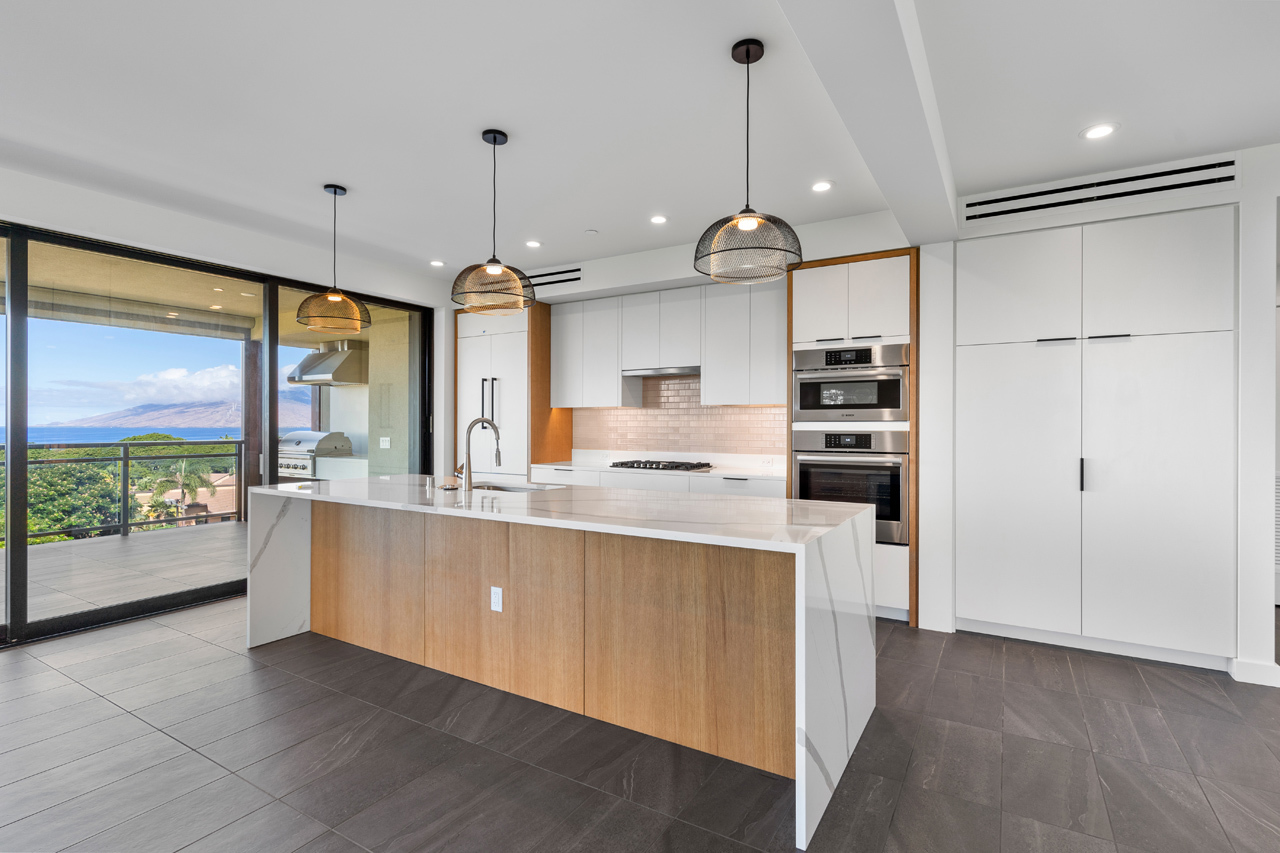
(1100, 190)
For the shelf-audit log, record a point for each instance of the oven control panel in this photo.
(850, 441)
(841, 357)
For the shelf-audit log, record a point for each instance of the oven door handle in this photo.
(845, 373)
(853, 459)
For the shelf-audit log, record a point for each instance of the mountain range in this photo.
(293, 412)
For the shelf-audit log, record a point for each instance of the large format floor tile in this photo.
(310, 745)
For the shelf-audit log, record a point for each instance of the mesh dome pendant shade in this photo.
(493, 288)
(334, 313)
(481, 292)
(731, 255)
(748, 247)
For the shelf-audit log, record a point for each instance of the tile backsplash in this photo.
(674, 419)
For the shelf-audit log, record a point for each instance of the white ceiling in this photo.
(1017, 81)
(240, 110)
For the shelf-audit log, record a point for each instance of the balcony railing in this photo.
(125, 454)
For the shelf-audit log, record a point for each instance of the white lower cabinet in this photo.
(651, 482)
(1159, 491)
(710, 484)
(1095, 488)
(1017, 484)
(563, 476)
(893, 579)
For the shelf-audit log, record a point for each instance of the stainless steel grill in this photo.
(299, 450)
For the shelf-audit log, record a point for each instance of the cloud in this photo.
(175, 385)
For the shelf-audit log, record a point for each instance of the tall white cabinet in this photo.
(1095, 430)
(493, 381)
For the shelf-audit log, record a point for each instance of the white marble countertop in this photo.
(769, 524)
(714, 471)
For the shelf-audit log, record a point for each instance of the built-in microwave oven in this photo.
(855, 467)
(870, 383)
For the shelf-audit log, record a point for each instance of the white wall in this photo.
(44, 203)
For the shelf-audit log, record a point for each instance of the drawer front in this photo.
(564, 476)
(651, 482)
(709, 484)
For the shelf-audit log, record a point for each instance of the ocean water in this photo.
(68, 435)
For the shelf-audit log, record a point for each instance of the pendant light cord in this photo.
(494, 145)
(748, 133)
(335, 241)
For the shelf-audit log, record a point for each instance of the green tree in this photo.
(187, 477)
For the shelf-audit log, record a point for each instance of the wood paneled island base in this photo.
(737, 626)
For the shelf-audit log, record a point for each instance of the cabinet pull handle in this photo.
(826, 340)
(1098, 337)
(570, 470)
(1050, 340)
(864, 337)
(1082, 473)
(493, 409)
(483, 384)
(741, 479)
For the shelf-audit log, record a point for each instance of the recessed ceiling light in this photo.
(532, 244)
(217, 290)
(437, 263)
(173, 313)
(823, 186)
(242, 293)
(657, 220)
(215, 307)
(1098, 131)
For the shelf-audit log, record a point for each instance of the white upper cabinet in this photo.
(880, 298)
(471, 325)
(1159, 508)
(640, 331)
(566, 355)
(820, 304)
(1174, 272)
(727, 345)
(602, 382)
(679, 327)
(1017, 499)
(770, 354)
(1018, 287)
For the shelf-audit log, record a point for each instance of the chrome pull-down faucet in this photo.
(497, 451)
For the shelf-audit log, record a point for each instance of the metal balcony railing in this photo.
(127, 453)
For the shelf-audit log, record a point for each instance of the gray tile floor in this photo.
(165, 734)
(81, 574)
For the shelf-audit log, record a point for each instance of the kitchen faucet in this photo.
(497, 451)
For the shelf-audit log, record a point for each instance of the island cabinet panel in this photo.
(368, 578)
(533, 646)
(694, 644)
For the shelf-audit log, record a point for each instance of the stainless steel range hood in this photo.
(691, 370)
(338, 363)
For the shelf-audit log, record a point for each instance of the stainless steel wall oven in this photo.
(855, 467)
(870, 383)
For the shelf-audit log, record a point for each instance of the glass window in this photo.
(144, 381)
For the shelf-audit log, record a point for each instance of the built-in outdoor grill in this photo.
(299, 450)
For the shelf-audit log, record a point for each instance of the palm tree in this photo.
(187, 477)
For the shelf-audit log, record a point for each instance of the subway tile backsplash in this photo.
(674, 419)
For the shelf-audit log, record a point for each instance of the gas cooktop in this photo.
(663, 466)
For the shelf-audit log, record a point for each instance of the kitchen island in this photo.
(740, 626)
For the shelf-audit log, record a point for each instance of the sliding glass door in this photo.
(144, 396)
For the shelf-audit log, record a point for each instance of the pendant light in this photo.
(493, 287)
(333, 312)
(748, 247)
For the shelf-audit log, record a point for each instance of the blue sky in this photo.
(78, 370)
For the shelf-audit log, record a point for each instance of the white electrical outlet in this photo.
(495, 598)
(766, 462)
(385, 442)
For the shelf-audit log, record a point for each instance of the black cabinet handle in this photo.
(1099, 337)
(484, 383)
(827, 340)
(493, 409)
(1049, 340)
(865, 337)
(563, 469)
(740, 479)
(1082, 473)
